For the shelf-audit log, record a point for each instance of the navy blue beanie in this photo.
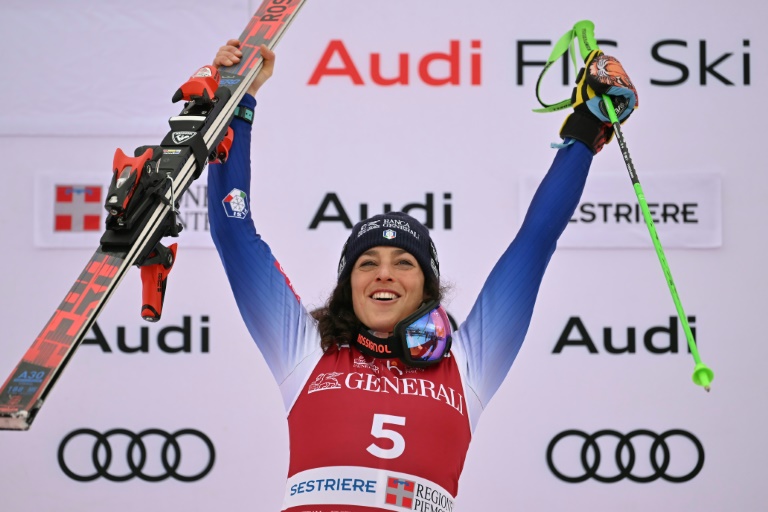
(395, 229)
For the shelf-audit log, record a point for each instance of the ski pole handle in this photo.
(585, 33)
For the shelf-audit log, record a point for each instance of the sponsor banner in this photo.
(610, 456)
(581, 335)
(365, 487)
(686, 210)
(189, 335)
(151, 455)
(450, 154)
(415, 386)
(193, 214)
(69, 211)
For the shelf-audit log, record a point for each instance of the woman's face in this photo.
(387, 286)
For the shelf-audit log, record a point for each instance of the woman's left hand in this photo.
(230, 54)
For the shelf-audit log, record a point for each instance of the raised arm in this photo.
(494, 331)
(272, 312)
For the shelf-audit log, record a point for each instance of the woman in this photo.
(381, 397)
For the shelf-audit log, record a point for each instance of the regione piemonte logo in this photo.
(69, 208)
(400, 492)
(236, 204)
(77, 207)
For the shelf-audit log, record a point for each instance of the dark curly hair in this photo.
(337, 322)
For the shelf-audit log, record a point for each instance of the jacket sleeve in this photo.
(274, 315)
(494, 331)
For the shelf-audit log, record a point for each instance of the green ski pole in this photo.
(702, 374)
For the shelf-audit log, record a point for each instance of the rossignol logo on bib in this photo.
(236, 204)
(379, 348)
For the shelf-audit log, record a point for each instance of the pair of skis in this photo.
(142, 204)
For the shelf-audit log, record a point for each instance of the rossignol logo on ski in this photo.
(236, 204)
(179, 137)
(277, 9)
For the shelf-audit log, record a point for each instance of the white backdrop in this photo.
(81, 78)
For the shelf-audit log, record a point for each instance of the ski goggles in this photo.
(421, 339)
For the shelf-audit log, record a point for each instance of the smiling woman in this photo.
(387, 286)
(368, 379)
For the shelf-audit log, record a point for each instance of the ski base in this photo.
(24, 391)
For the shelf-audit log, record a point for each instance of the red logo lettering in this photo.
(435, 69)
(376, 347)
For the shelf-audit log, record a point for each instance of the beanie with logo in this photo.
(393, 229)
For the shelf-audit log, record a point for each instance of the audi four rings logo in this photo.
(659, 456)
(136, 455)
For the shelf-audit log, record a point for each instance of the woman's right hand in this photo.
(230, 54)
